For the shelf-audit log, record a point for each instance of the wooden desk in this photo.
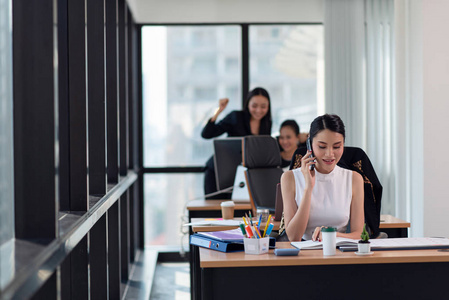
(212, 208)
(393, 226)
(411, 274)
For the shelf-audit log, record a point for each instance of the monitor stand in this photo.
(240, 190)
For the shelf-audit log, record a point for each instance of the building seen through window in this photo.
(185, 71)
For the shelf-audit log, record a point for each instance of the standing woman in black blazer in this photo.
(254, 119)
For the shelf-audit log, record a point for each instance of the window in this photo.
(288, 61)
(181, 88)
(182, 82)
(185, 70)
(204, 37)
(164, 206)
(205, 93)
(204, 66)
(232, 65)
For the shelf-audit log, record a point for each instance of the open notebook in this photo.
(345, 244)
(313, 245)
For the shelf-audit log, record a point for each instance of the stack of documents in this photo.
(233, 235)
(381, 244)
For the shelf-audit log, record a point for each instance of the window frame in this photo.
(244, 73)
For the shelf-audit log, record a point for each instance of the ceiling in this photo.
(226, 11)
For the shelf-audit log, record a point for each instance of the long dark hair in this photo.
(258, 91)
(331, 122)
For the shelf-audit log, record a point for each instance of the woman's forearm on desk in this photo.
(296, 218)
(298, 224)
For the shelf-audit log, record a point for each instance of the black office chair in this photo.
(262, 158)
(355, 159)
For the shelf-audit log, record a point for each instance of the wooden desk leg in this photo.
(195, 288)
(206, 284)
(192, 281)
(194, 262)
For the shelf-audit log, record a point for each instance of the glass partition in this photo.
(166, 197)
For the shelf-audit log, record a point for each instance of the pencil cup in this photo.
(256, 246)
(227, 210)
(329, 240)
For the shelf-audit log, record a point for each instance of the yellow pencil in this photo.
(266, 225)
(244, 221)
(257, 231)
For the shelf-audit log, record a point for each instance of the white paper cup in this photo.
(329, 235)
(227, 210)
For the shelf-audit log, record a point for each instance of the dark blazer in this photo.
(236, 123)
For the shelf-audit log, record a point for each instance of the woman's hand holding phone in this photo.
(309, 174)
(310, 151)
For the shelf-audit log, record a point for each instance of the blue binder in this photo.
(212, 244)
(223, 246)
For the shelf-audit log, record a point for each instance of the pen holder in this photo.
(256, 246)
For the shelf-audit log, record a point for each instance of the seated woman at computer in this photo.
(289, 138)
(254, 119)
(320, 193)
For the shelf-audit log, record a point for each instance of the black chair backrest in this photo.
(262, 158)
(355, 159)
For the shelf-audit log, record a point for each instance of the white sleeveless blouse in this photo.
(331, 199)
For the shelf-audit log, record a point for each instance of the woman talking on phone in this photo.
(320, 193)
(254, 119)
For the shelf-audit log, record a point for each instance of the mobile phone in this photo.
(309, 148)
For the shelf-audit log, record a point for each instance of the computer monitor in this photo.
(228, 155)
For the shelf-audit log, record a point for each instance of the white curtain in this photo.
(408, 159)
(359, 60)
(380, 104)
(344, 52)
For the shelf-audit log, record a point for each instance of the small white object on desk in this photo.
(329, 240)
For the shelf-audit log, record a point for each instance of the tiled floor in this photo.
(150, 279)
(171, 282)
